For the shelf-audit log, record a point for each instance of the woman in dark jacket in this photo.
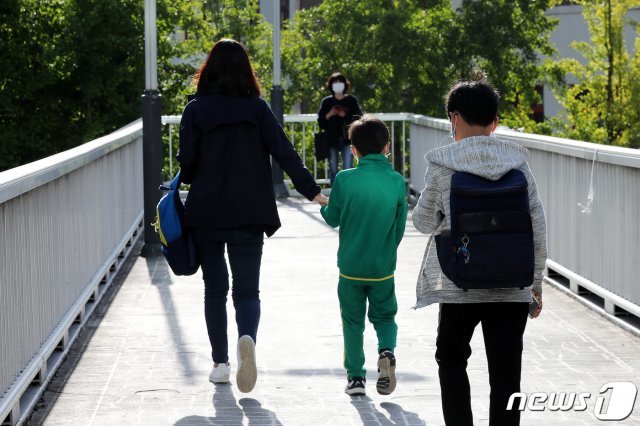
(336, 113)
(227, 134)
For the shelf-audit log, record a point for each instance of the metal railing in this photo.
(300, 129)
(592, 244)
(68, 223)
(592, 201)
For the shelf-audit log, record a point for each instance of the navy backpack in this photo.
(177, 244)
(490, 244)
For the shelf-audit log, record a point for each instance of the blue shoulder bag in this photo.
(177, 244)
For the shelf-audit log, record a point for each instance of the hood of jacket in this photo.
(485, 156)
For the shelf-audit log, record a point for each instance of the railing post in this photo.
(277, 105)
(151, 131)
(277, 102)
(152, 166)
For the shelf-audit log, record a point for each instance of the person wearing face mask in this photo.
(499, 306)
(336, 113)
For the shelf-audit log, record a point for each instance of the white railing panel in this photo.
(300, 129)
(61, 219)
(599, 244)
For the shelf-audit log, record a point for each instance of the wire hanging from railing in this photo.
(587, 208)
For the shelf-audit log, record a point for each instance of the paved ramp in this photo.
(145, 360)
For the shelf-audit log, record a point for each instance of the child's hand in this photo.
(321, 199)
(536, 313)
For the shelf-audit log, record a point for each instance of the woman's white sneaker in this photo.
(247, 371)
(220, 374)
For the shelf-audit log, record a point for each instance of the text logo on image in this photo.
(616, 401)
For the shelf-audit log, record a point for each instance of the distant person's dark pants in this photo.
(503, 325)
(347, 159)
(245, 254)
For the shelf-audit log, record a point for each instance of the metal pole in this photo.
(151, 131)
(276, 44)
(277, 101)
(150, 45)
(294, 6)
(404, 149)
(393, 144)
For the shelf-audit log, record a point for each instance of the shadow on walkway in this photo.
(370, 415)
(299, 207)
(228, 412)
(341, 373)
(160, 277)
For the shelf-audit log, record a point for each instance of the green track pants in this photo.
(353, 308)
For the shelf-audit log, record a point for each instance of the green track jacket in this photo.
(369, 204)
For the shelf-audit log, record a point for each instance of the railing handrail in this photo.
(617, 155)
(19, 180)
(622, 156)
(310, 118)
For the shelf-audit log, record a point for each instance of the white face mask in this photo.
(338, 87)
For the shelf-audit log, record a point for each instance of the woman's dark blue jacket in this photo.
(225, 142)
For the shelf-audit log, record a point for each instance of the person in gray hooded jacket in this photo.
(472, 107)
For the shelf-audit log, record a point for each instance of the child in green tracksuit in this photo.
(369, 205)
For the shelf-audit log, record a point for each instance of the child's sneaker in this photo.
(247, 371)
(355, 386)
(220, 374)
(386, 373)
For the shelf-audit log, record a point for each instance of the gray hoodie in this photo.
(490, 158)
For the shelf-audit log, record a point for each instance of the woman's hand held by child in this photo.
(321, 199)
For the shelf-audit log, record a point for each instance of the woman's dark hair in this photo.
(475, 99)
(336, 76)
(228, 71)
(368, 134)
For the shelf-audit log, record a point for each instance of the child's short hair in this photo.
(368, 134)
(475, 99)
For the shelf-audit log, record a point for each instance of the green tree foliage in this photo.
(378, 45)
(634, 98)
(188, 29)
(505, 38)
(602, 105)
(103, 51)
(71, 70)
(402, 55)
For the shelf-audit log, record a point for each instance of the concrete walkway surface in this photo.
(145, 358)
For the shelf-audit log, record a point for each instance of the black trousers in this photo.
(244, 249)
(503, 325)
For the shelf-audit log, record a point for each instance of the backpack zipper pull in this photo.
(464, 250)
